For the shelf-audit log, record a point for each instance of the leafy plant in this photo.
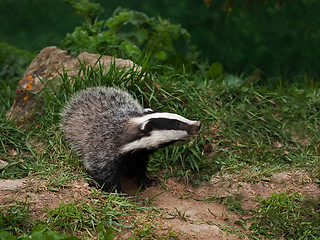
(126, 34)
(88, 10)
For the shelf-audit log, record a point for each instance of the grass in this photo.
(15, 150)
(287, 215)
(14, 217)
(98, 215)
(245, 127)
(101, 213)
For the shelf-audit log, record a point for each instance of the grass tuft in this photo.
(287, 215)
(14, 217)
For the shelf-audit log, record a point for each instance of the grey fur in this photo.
(107, 128)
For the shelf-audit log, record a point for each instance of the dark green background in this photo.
(278, 40)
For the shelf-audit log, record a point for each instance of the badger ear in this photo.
(146, 127)
(147, 111)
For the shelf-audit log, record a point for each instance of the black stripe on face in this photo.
(167, 124)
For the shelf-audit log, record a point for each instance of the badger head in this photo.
(156, 129)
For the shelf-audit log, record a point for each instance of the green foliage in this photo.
(287, 215)
(88, 10)
(128, 34)
(39, 232)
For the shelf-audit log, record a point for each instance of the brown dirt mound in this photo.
(186, 210)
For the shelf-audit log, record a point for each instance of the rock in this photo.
(3, 163)
(46, 66)
(11, 184)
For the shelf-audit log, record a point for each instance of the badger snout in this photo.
(195, 128)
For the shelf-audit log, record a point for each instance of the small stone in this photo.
(3, 163)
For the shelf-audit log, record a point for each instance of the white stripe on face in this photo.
(154, 140)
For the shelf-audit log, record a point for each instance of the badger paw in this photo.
(149, 182)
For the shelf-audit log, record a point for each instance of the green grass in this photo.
(14, 216)
(15, 149)
(101, 213)
(245, 127)
(287, 215)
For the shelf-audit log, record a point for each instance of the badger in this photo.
(115, 136)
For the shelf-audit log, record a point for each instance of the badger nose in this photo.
(195, 127)
(198, 126)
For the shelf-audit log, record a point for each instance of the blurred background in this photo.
(280, 39)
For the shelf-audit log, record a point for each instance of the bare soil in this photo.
(191, 213)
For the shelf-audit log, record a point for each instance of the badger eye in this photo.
(177, 124)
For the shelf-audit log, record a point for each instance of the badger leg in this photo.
(139, 169)
(107, 182)
(112, 186)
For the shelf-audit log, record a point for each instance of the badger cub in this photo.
(114, 135)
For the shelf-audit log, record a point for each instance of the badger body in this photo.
(114, 135)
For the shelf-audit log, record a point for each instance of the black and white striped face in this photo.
(158, 129)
